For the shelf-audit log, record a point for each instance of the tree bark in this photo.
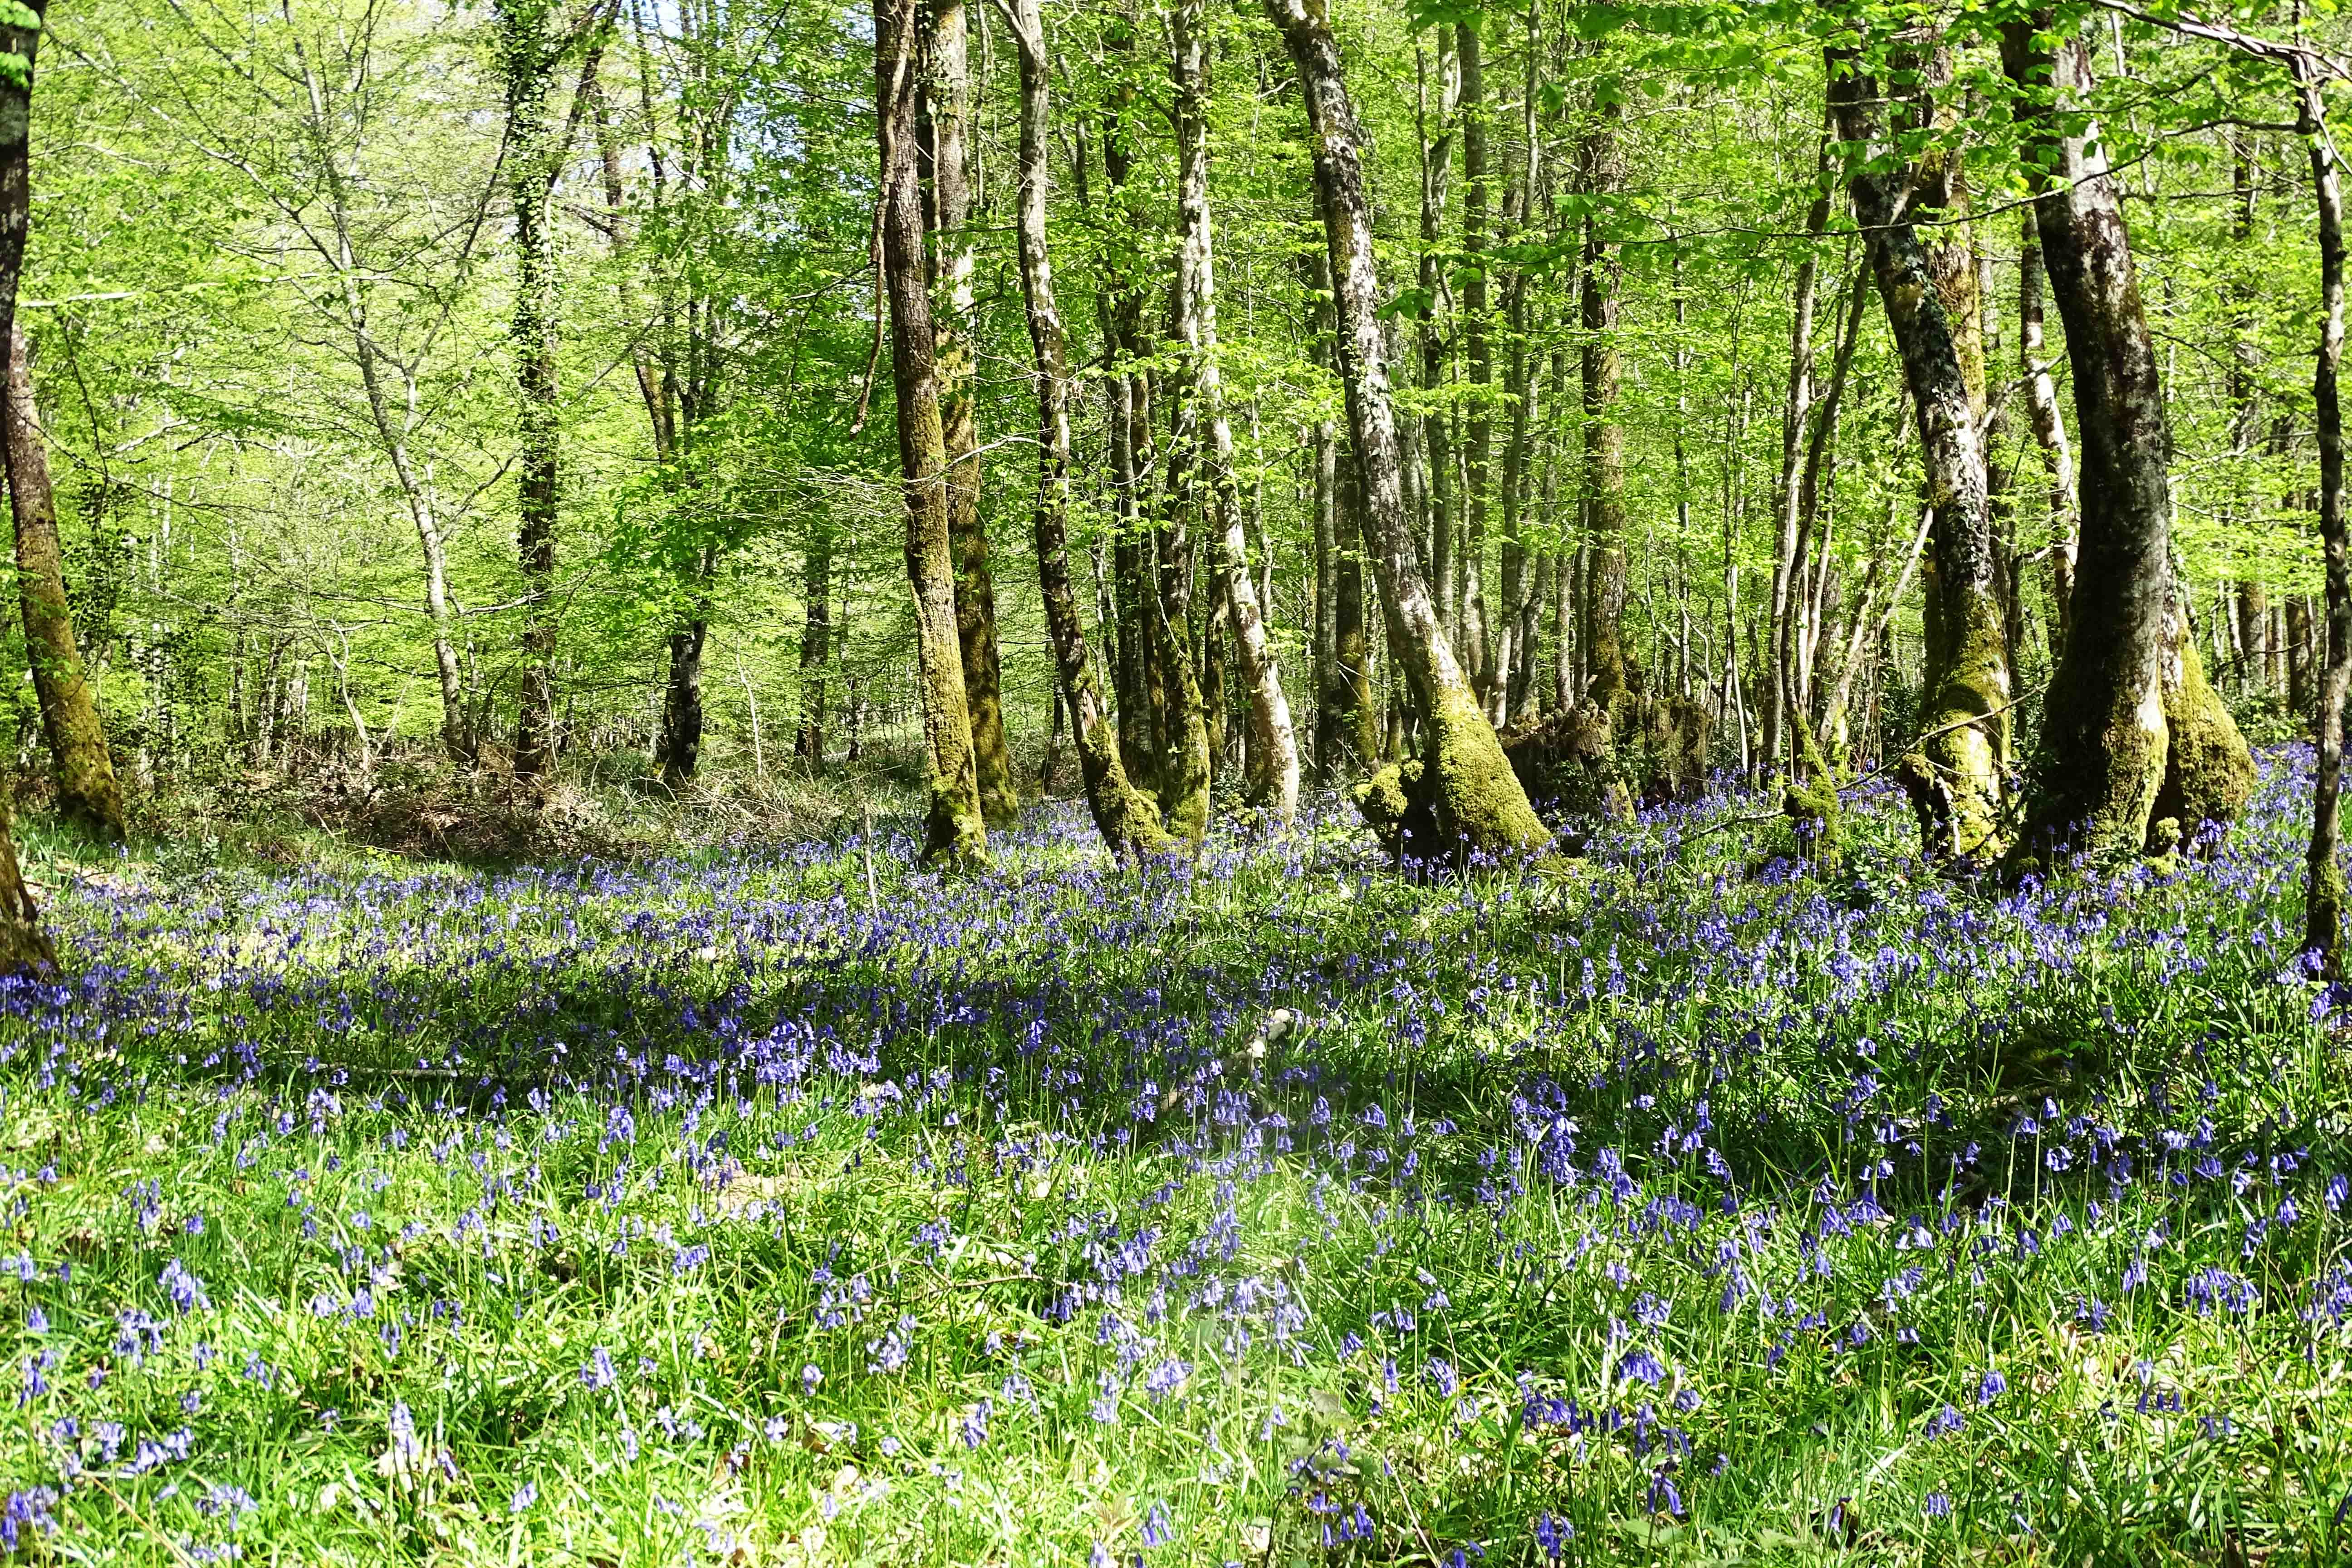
(1126, 819)
(87, 790)
(2301, 693)
(1324, 448)
(1274, 743)
(1608, 681)
(1478, 355)
(816, 642)
(526, 59)
(679, 747)
(1775, 697)
(23, 946)
(947, 123)
(954, 831)
(2049, 431)
(1476, 798)
(1436, 432)
(2106, 735)
(1955, 777)
(2324, 896)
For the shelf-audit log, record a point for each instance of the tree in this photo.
(946, 124)
(526, 57)
(23, 945)
(1274, 744)
(2324, 899)
(1470, 792)
(954, 832)
(2108, 733)
(1128, 822)
(1956, 780)
(86, 789)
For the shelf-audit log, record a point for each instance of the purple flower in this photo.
(185, 1290)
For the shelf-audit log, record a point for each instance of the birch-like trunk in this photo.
(1272, 742)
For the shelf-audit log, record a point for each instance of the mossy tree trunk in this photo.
(2208, 770)
(954, 831)
(1477, 799)
(23, 945)
(947, 120)
(1128, 822)
(1955, 778)
(2095, 771)
(87, 790)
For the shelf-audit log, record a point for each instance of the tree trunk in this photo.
(816, 642)
(2209, 771)
(2302, 694)
(1774, 698)
(23, 945)
(2324, 897)
(1507, 689)
(947, 122)
(953, 831)
(1436, 433)
(1356, 706)
(2049, 431)
(526, 58)
(1325, 458)
(1955, 777)
(87, 790)
(1479, 446)
(1126, 819)
(2103, 754)
(1608, 682)
(1475, 799)
(679, 747)
(1274, 744)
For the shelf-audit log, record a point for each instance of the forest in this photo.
(1123, 782)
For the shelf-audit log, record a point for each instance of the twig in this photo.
(124, 1504)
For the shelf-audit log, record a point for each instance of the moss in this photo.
(2209, 771)
(1128, 822)
(2323, 918)
(1185, 775)
(1810, 800)
(1965, 735)
(1477, 799)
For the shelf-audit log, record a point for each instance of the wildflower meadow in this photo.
(791, 1203)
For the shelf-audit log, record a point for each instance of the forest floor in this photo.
(792, 1205)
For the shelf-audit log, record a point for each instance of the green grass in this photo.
(433, 1139)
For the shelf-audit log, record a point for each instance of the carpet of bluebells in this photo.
(795, 1205)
